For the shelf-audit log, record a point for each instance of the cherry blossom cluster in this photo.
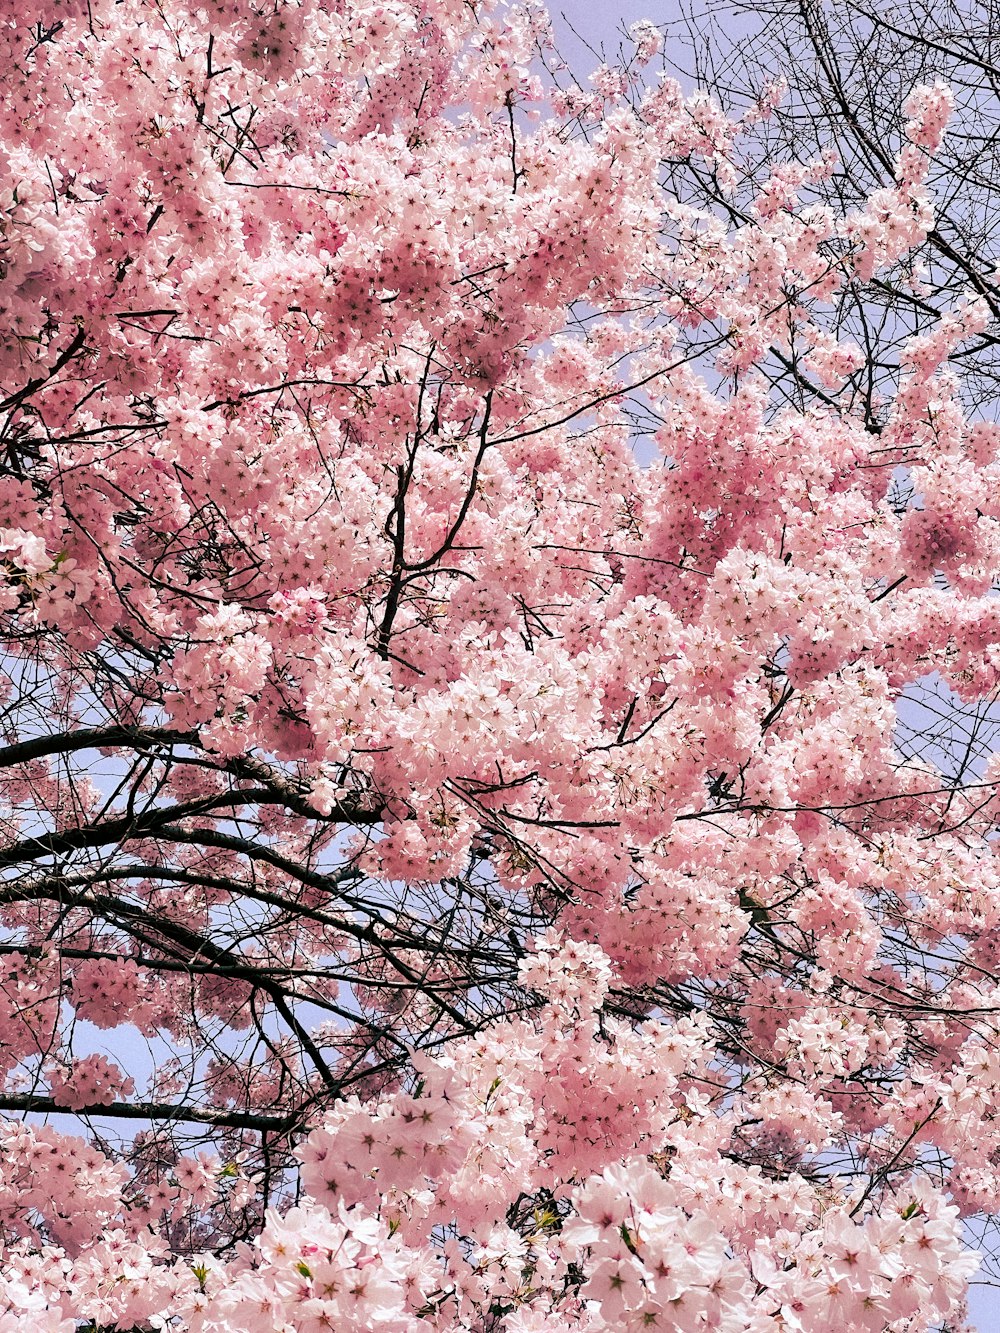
(648, 1222)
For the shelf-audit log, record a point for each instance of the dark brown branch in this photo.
(30, 1104)
(96, 738)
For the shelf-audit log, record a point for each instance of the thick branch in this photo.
(29, 1103)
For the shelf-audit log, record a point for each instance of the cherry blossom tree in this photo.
(846, 71)
(461, 869)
